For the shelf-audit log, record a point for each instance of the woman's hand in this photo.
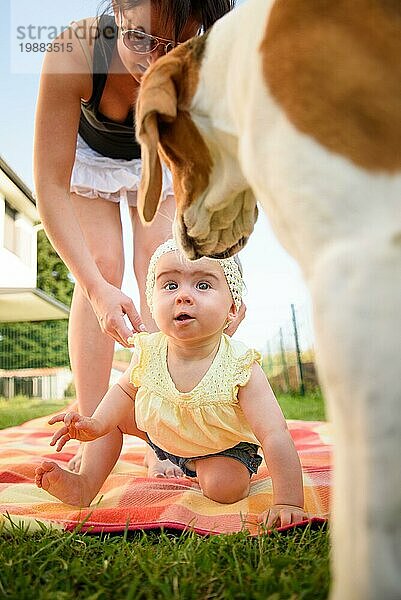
(110, 305)
(233, 326)
(280, 515)
(76, 427)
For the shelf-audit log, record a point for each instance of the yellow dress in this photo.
(206, 420)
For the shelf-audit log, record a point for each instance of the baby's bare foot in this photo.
(160, 468)
(64, 485)
(75, 463)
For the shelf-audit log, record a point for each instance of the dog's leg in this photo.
(356, 291)
(343, 227)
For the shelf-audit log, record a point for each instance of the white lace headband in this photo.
(231, 270)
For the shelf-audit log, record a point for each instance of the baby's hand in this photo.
(280, 515)
(76, 427)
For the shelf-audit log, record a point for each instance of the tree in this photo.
(53, 276)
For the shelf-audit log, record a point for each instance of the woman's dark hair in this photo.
(205, 12)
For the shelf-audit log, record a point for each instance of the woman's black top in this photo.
(109, 138)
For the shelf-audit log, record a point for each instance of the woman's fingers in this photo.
(121, 332)
(134, 318)
(115, 326)
(111, 305)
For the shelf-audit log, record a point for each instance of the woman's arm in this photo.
(264, 415)
(64, 81)
(62, 84)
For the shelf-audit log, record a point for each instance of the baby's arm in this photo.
(264, 415)
(116, 403)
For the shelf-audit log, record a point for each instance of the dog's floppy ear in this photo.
(157, 102)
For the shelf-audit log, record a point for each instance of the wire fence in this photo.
(289, 360)
(33, 344)
(34, 360)
(32, 354)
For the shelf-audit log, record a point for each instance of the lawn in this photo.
(163, 565)
(307, 408)
(21, 409)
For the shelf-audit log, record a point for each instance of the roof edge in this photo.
(4, 166)
(41, 294)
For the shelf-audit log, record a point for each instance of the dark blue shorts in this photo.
(245, 452)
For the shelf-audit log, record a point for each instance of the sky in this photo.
(273, 279)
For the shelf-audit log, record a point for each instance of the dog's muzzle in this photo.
(220, 234)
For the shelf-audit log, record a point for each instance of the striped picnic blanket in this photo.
(130, 500)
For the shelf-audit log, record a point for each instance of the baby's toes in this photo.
(173, 471)
(74, 464)
(38, 476)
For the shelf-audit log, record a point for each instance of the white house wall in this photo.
(17, 272)
(54, 386)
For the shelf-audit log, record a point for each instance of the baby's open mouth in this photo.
(183, 317)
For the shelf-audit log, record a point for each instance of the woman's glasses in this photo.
(143, 43)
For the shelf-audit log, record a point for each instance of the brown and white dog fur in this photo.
(297, 104)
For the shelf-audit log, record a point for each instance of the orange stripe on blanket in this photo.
(130, 500)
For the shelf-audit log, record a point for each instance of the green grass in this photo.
(53, 566)
(307, 408)
(159, 565)
(20, 409)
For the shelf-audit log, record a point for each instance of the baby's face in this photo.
(191, 299)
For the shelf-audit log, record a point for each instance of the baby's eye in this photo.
(203, 285)
(170, 285)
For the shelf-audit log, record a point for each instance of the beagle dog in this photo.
(296, 104)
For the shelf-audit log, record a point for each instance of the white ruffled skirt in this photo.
(98, 176)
